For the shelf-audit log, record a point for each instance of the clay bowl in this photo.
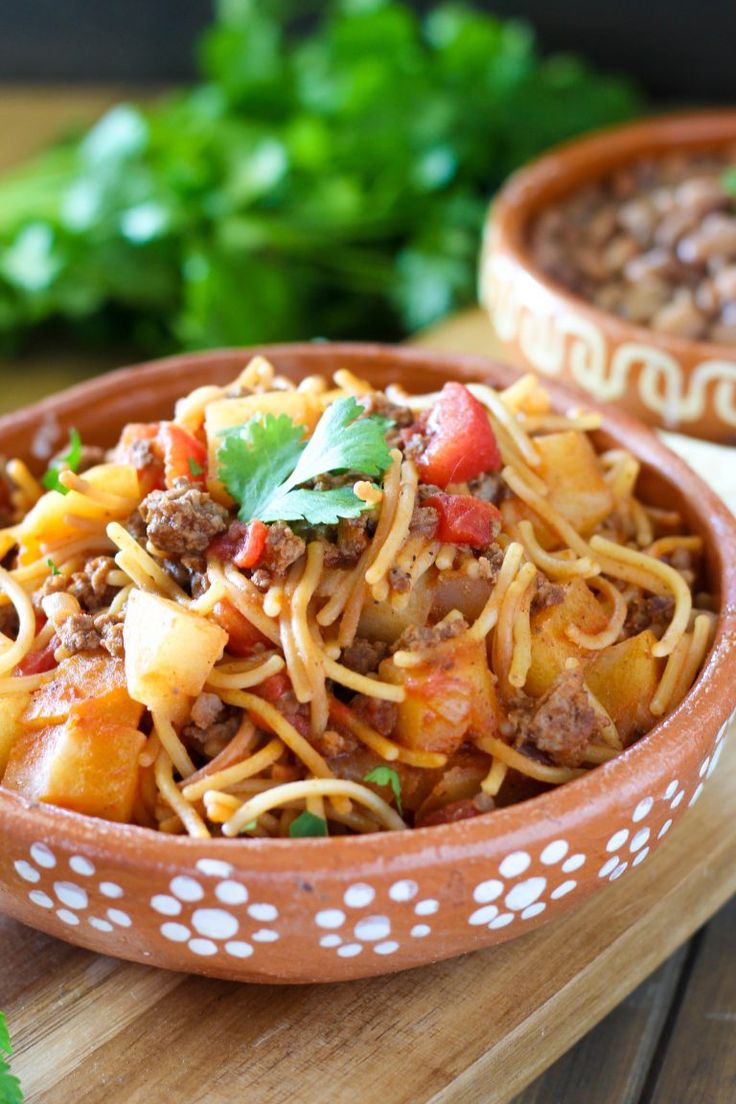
(324, 910)
(671, 382)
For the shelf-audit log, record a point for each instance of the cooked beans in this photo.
(654, 243)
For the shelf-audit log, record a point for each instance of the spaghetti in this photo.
(374, 623)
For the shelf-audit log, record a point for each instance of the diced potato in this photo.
(456, 591)
(380, 621)
(169, 652)
(45, 523)
(571, 470)
(83, 677)
(513, 510)
(624, 679)
(301, 407)
(551, 647)
(449, 695)
(12, 707)
(87, 765)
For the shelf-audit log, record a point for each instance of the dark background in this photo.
(682, 51)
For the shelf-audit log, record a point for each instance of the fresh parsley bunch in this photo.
(328, 177)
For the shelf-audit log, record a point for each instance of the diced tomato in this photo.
(37, 663)
(464, 519)
(150, 477)
(460, 443)
(274, 687)
(243, 544)
(243, 636)
(185, 457)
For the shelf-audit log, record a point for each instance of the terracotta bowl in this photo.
(671, 382)
(323, 910)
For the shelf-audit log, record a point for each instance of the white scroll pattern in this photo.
(558, 339)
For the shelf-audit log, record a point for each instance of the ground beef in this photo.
(364, 655)
(183, 521)
(400, 580)
(136, 526)
(381, 715)
(332, 743)
(207, 710)
(651, 611)
(401, 416)
(78, 634)
(352, 540)
(189, 573)
(490, 562)
(218, 732)
(110, 627)
(546, 594)
(283, 548)
(564, 721)
(489, 487)
(417, 638)
(424, 521)
(89, 586)
(90, 457)
(141, 455)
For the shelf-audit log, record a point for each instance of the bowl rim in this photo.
(577, 162)
(713, 695)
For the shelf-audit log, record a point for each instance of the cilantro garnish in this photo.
(69, 462)
(10, 1090)
(386, 776)
(53, 568)
(195, 469)
(307, 824)
(250, 826)
(728, 180)
(265, 463)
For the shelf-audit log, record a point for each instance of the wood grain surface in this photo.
(478, 1029)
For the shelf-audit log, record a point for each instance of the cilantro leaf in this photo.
(316, 507)
(386, 776)
(10, 1090)
(52, 567)
(6, 1047)
(195, 469)
(255, 459)
(342, 441)
(264, 464)
(69, 462)
(307, 824)
(728, 180)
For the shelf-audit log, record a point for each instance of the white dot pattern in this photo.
(219, 917)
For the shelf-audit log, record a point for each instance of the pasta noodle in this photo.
(432, 624)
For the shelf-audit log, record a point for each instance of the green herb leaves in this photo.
(10, 1090)
(274, 200)
(387, 776)
(69, 462)
(728, 180)
(307, 824)
(265, 463)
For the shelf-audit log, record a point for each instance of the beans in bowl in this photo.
(655, 243)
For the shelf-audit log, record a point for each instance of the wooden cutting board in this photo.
(477, 1029)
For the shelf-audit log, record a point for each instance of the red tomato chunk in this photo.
(465, 520)
(460, 443)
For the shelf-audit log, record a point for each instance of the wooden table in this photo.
(478, 1029)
